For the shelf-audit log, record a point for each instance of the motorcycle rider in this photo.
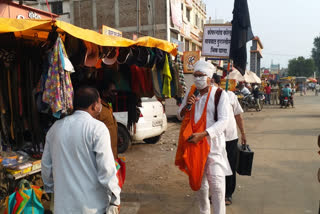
(286, 92)
(244, 90)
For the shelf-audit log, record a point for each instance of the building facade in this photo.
(178, 21)
(59, 7)
(256, 55)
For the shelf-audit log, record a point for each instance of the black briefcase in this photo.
(245, 159)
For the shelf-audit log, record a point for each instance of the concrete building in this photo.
(178, 21)
(59, 7)
(256, 55)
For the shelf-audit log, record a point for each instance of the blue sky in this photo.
(286, 27)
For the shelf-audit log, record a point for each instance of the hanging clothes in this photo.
(182, 81)
(141, 81)
(166, 90)
(157, 80)
(58, 91)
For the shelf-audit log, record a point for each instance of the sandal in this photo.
(228, 201)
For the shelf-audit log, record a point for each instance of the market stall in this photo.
(44, 61)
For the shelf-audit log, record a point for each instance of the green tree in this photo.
(301, 67)
(316, 53)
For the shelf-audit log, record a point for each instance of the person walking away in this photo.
(231, 133)
(77, 162)
(317, 88)
(274, 94)
(108, 93)
(255, 93)
(201, 151)
(267, 90)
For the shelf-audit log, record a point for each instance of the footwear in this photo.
(228, 201)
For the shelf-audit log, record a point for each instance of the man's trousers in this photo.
(231, 147)
(215, 186)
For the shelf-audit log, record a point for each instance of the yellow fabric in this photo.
(94, 37)
(14, 25)
(151, 42)
(166, 90)
(30, 27)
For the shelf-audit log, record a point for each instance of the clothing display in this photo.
(58, 91)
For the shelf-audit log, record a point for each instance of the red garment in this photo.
(191, 158)
(267, 89)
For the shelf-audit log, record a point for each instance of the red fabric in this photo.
(267, 89)
(191, 158)
(121, 173)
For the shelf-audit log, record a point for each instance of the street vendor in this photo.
(108, 93)
(201, 151)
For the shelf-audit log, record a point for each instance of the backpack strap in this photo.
(216, 102)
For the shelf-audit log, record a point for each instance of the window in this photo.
(187, 45)
(188, 14)
(194, 47)
(182, 6)
(202, 24)
(57, 8)
(197, 20)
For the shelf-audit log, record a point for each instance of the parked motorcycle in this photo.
(249, 102)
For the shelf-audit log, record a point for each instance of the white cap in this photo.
(205, 67)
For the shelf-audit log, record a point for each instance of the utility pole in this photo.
(138, 18)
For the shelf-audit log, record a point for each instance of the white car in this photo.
(151, 125)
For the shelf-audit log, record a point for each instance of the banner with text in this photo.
(111, 31)
(216, 40)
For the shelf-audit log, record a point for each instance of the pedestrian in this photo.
(77, 162)
(256, 93)
(267, 90)
(317, 89)
(108, 92)
(231, 133)
(204, 125)
(274, 94)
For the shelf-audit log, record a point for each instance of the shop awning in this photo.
(29, 27)
(152, 42)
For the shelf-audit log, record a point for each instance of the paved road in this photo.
(284, 172)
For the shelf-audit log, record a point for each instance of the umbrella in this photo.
(236, 75)
(312, 80)
(254, 75)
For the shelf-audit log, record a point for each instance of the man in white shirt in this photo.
(235, 111)
(217, 166)
(77, 163)
(245, 91)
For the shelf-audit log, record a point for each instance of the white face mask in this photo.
(201, 82)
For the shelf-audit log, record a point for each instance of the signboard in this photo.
(216, 40)
(189, 59)
(111, 31)
(231, 85)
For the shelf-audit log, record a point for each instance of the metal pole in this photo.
(227, 82)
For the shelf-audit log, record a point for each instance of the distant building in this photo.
(256, 55)
(11, 9)
(274, 68)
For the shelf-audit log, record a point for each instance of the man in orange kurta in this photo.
(107, 91)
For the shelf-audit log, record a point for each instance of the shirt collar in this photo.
(83, 113)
